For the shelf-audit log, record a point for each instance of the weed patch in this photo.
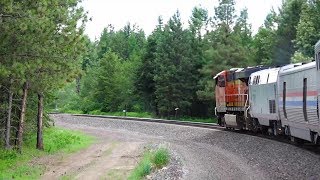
(161, 158)
(151, 160)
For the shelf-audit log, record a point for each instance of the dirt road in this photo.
(112, 156)
(205, 153)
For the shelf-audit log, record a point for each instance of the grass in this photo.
(66, 177)
(143, 168)
(151, 160)
(73, 111)
(128, 114)
(18, 166)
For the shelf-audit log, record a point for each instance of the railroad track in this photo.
(283, 139)
(164, 121)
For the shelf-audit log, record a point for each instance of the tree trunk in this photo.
(8, 124)
(78, 85)
(40, 118)
(22, 115)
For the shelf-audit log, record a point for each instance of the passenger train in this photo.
(279, 101)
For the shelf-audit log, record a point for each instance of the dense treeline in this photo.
(40, 48)
(166, 73)
(171, 70)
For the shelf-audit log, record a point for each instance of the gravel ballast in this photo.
(213, 154)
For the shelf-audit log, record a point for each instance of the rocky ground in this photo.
(197, 153)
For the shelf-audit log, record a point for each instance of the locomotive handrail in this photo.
(237, 95)
(245, 105)
(246, 112)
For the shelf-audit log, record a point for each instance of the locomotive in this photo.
(279, 101)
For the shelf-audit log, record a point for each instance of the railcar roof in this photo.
(317, 46)
(265, 71)
(294, 69)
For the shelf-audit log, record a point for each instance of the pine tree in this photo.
(40, 44)
(175, 70)
(145, 84)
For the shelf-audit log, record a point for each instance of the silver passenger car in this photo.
(298, 104)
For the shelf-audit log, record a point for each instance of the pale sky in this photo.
(145, 13)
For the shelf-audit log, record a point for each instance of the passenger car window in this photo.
(284, 94)
(305, 99)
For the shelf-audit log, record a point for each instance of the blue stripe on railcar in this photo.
(298, 103)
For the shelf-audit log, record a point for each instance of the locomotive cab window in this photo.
(221, 81)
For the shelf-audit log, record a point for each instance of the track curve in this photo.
(209, 153)
(283, 139)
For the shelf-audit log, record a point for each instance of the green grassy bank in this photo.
(56, 140)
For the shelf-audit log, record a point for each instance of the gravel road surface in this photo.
(210, 153)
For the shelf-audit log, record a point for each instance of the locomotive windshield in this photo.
(221, 81)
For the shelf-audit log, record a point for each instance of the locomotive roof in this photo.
(245, 73)
(240, 73)
(215, 77)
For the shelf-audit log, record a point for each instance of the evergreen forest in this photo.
(48, 64)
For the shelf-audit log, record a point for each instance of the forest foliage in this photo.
(167, 73)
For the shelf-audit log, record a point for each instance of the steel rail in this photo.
(163, 121)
